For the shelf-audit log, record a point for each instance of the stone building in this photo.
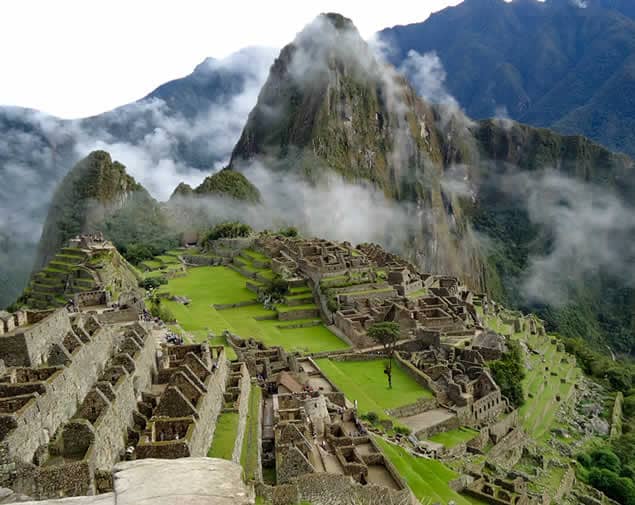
(57, 362)
(179, 418)
(317, 433)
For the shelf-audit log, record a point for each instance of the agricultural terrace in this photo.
(209, 286)
(427, 478)
(550, 375)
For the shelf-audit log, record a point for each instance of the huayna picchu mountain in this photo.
(329, 103)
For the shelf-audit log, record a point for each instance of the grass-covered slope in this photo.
(366, 382)
(209, 286)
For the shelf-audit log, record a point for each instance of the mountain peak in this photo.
(338, 21)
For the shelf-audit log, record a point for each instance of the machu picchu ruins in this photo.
(317, 281)
(96, 379)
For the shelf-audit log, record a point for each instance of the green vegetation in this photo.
(386, 334)
(509, 371)
(224, 436)
(610, 465)
(290, 231)
(604, 470)
(618, 374)
(249, 452)
(453, 438)
(364, 381)
(427, 478)
(551, 374)
(227, 230)
(206, 286)
(229, 183)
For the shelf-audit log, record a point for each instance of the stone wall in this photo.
(452, 423)
(421, 378)
(331, 489)
(412, 409)
(208, 408)
(243, 410)
(118, 316)
(111, 426)
(29, 345)
(37, 421)
(508, 451)
(298, 314)
(92, 298)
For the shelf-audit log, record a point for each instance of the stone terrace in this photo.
(189, 396)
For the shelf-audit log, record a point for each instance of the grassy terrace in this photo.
(366, 382)
(206, 286)
(249, 451)
(427, 478)
(417, 294)
(224, 436)
(453, 438)
(538, 414)
(539, 411)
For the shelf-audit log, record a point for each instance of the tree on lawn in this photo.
(387, 334)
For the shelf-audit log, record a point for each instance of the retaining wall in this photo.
(29, 346)
(331, 489)
(38, 420)
(243, 410)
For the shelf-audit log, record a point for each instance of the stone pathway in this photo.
(185, 481)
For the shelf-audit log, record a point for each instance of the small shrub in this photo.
(372, 417)
(228, 230)
(152, 282)
(403, 430)
(290, 231)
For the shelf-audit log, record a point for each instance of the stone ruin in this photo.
(177, 419)
(313, 438)
(10, 321)
(81, 390)
(371, 285)
(90, 241)
(460, 380)
(262, 361)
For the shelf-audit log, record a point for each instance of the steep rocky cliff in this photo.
(330, 104)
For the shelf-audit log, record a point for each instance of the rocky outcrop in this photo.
(187, 481)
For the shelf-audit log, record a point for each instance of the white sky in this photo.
(75, 58)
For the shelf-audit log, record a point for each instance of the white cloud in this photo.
(97, 57)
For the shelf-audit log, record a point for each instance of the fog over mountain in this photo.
(182, 131)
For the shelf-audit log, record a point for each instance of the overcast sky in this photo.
(75, 58)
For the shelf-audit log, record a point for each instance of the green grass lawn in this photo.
(290, 308)
(366, 382)
(427, 478)
(224, 436)
(249, 451)
(206, 286)
(453, 438)
(417, 294)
